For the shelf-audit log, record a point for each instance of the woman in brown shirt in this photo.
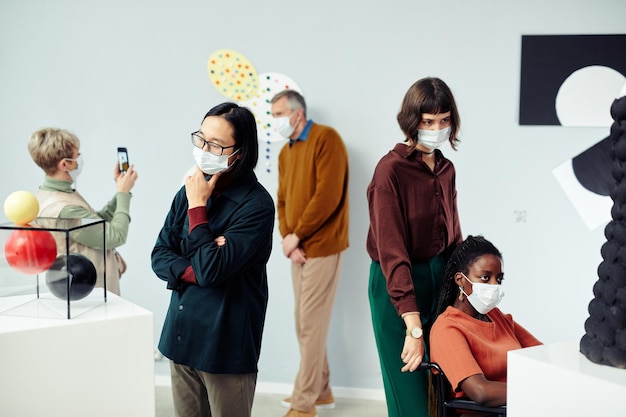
(414, 227)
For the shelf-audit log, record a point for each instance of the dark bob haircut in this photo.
(244, 132)
(428, 95)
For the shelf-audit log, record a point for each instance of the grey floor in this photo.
(268, 405)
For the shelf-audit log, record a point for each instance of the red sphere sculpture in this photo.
(30, 251)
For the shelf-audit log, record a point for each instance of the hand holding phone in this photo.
(122, 158)
(125, 174)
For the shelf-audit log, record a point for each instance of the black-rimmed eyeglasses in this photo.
(214, 148)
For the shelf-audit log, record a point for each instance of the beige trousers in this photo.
(314, 287)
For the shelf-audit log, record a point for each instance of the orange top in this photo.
(464, 346)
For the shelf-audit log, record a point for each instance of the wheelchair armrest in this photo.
(470, 405)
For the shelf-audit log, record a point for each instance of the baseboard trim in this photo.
(285, 389)
(359, 393)
(339, 392)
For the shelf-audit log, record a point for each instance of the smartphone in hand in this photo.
(122, 158)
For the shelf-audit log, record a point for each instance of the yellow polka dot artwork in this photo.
(233, 75)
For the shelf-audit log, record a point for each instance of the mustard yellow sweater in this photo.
(313, 192)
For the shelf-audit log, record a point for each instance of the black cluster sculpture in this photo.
(605, 339)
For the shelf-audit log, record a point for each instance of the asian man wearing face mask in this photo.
(211, 254)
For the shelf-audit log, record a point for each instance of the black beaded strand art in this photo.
(605, 339)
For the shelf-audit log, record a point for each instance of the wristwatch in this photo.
(415, 332)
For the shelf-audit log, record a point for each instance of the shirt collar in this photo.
(304, 134)
(236, 188)
(408, 152)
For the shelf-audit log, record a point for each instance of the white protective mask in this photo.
(211, 164)
(79, 167)
(433, 139)
(283, 126)
(484, 297)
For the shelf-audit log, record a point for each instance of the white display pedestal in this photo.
(98, 364)
(558, 380)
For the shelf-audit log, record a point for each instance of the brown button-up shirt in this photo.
(413, 217)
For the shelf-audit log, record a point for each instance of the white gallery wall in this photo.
(134, 74)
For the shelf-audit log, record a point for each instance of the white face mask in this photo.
(484, 297)
(283, 126)
(211, 164)
(79, 167)
(433, 139)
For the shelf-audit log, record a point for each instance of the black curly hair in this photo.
(461, 260)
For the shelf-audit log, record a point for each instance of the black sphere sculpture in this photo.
(605, 339)
(80, 271)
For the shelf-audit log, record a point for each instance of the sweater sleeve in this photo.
(117, 220)
(331, 168)
(280, 201)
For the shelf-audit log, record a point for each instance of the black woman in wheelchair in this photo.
(471, 336)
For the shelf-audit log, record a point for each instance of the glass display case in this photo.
(52, 268)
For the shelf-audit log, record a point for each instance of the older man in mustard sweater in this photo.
(313, 221)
